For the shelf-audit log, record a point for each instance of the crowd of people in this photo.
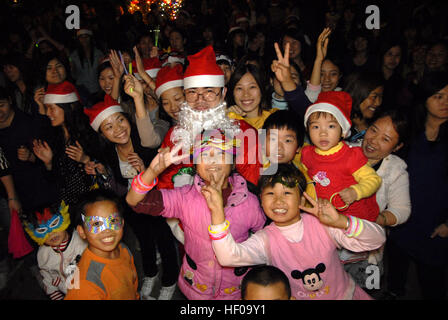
(259, 149)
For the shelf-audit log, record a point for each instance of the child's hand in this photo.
(325, 212)
(165, 158)
(213, 195)
(322, 44)
(133, 87)
(348, 195)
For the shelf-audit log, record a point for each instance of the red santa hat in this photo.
(169, 77)
(203, 70)
(64, 92)
(337, 103)
(100, 111)
(151, 65)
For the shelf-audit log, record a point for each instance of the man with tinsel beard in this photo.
(205, 109)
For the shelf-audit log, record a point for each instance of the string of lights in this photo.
(169, 8)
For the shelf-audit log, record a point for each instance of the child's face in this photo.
(56, 238)
(103, 243)
(281, 145)
(324, 130)
(214, 162)
(281, 204)
(273, 291)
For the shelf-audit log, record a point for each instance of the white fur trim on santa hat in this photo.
(326, 107)
(168, 85)
(95, 124)
(60, 98)
(204, 81)
(172, 59)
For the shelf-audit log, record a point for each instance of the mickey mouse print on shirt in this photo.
(312, 280)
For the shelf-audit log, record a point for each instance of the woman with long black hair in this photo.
(125, 157)
(423, 239)
(73, 144)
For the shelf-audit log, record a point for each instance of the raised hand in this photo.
(76, 152)
(43, 151)
(133, 87)
(141, 69)
(280, 67)
(325, 212)
(39, 99)
(117, 66)
(165, 158)
(322, 44)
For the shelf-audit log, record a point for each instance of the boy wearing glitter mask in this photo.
(60, 248)
(106, 268)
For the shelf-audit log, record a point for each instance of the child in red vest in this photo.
(340, 172)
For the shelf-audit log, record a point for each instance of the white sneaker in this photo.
(147, 286)
(166, 293)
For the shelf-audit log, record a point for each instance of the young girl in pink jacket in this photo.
(201, 276)
(303, 246)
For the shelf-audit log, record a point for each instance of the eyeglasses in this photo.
(208, 95)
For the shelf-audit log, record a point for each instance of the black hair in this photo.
(359, 86)
(96, 196)
(400, 121)
(286, 174)
(43, 64)
(79, 129)
(265, 276)
(239, 72)
(386, 46)
(81, 53)
(428, 86)
(297, 34)
(286, 119)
